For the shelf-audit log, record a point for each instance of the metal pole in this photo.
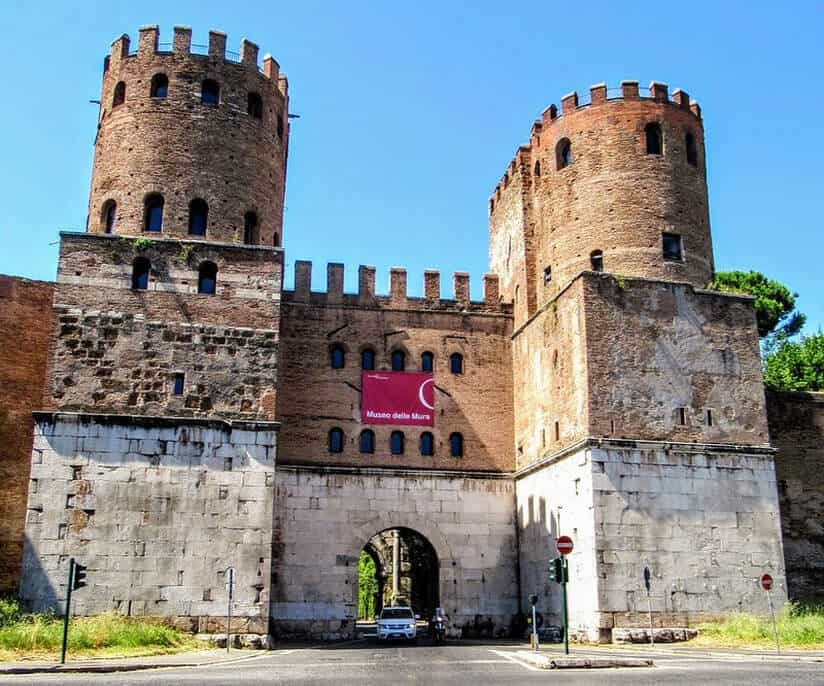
(231, 585)
(775, 628)
(534, 630)
(69, 585)
(564, 575)
(649, 611)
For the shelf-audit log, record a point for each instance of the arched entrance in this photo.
(398, 566)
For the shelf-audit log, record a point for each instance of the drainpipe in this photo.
(396, 564)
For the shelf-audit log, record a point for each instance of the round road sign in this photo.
(564, 545)
(766, 582)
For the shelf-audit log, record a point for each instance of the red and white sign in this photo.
(401, 398)
(766, 582)
(564, 545)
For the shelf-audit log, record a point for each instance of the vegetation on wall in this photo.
(367, 586)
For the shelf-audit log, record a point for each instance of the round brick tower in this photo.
(616, 185)
(190, 145)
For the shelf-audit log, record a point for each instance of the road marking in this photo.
(514, 659)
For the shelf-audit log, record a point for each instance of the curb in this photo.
(547, 662)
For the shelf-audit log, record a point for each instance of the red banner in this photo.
(403, 398)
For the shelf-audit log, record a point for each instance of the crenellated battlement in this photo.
(397, 297)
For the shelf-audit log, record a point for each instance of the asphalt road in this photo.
(365, 662)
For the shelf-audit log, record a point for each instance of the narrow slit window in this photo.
(655, 139)
(336, 440)
(456, 363)
(547, 275)
(692, 150)
(563, 153)
(709, 417)
(254, 105)
(456, 444)
(368, 359)
(119, 96)
(250, 228)
(427, 361)
(427, 444)
(109, 216)
(337, 356)
(198, 217)
(396, 443)
(398, 360)
(557, 431)
(682, 416)
(537, 167)
(179, 383)
(367, 441)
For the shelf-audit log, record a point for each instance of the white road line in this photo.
(512, 658)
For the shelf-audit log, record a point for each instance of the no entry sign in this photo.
(564, 545)
(766, 582)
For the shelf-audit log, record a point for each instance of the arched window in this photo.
(160, 86)
(456, 363)
(119, 94)
(367, 441)
(109, 215)
(280, 127)
(337, 356)
(563, 153)
(254, 105)
(456, 444)
(153, 215)
(596, 261)
(336, 440)
(276, 239)
(396, 443)
(140, 274)
(198, 217)
(250, 228)
(210, 92)
(367, 359)
(427, 362)
(537, 167)
(398, 360)
(207, 278)
(692, 150)
(655, 140)
(427, 444)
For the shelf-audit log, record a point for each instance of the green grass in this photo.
(799, 626)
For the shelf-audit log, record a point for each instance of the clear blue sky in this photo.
(410, 111)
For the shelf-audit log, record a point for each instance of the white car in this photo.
(397, 622)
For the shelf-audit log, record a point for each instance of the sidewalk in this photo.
(106, 665)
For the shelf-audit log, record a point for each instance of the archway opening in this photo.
(398, 566)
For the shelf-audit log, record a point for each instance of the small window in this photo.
(396, 442)
(250, 228)
(427, 444)
(119, 96)
(672, 248)
(109, 215)
(547, 276)
(456, 363)
(692, 150)
(153, 219)
(655, 140)
(557, 431)
(198, 217)
(337, 356)
(367, 441)
(367, 359)
(427, 362)
(709, 417)
(140, 274)
(179, 381)
(456, 447)
(336, 440)
(207, 278)
(160, 86)
(537, 167)
(276, 239)
(563, 153)
(682, 416)
(398, 360)
(596, 261)
(280, 127)
(210, 92)
(254, 105)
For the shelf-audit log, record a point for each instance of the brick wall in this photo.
(25, 328)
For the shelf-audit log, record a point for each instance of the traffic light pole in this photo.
(564, 577)
(69, 586)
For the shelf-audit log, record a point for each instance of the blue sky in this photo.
(410, 112)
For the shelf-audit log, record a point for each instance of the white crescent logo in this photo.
(420, 394)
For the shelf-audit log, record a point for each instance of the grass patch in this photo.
(800, 625)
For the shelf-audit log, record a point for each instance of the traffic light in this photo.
(556, 569)
(79, 580)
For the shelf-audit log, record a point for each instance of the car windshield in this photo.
(396, 613)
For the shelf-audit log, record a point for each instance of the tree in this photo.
(774, 303)
(367, 586)
(796, 366)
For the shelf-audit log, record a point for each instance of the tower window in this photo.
(337, 356)
(672, 248)
(709, 417)
(109, 215)
(547, 275)
(427, 444)
(119, 96)
(427, 362)
(367, 441)
(179, 382)
(336, 440)
(456, 446)
(557, 431)
(160, 86)
(456, 363)
(140, 274)
(367, 359)
(210, 92)
(276, 239)
(398, 360)
(153, 216)
(537, 167)
(396, 443)
(692, 150)
(207, 278)
(198, 217)
(250, 228)
(655, 139)
(280, 127)
(596, 261)
(254, 105)
(682, 416)
(563, 153)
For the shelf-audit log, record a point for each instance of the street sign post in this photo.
(76, 581)
(648, 585)
(230, 587)
(564, 547)
(767, 584)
